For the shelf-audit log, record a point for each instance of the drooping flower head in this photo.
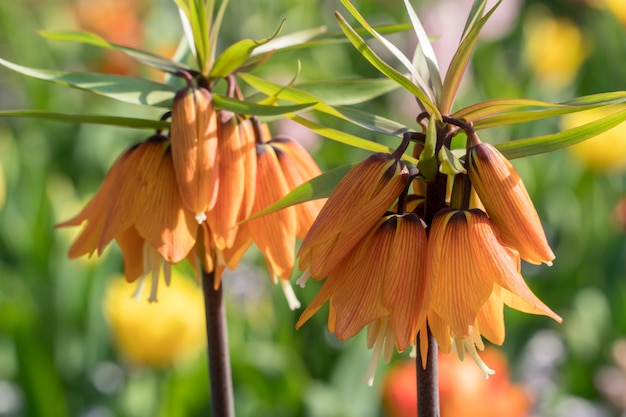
(507, 202)
(370, 187)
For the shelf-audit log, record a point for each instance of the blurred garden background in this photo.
(74, 343)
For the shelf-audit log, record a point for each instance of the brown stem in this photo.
(222, 403)
(427, 376)
(427, 381)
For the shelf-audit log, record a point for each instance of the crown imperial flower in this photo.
(371, 187)
(508, 204)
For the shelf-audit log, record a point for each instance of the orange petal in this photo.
(404, 288)
(462, 287)
(371, 186)
(503, 265)
(223, 217)
(275, 233)
(296, 173)
(491, 319)
(94, 212)
(248, 143)
(169, 226)
(193, 135)
(131, 246)
(508, 204)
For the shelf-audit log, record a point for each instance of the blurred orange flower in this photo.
(463, 390)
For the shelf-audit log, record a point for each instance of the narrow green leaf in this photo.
(350, 91)
(245, 107)
(215, 29)
(316, 188)
(384, 68)
(459, 62)
(373, 122)
(126, 89)
(147, 58)
(474, 16)
(289, 41)
(340, 137)
(425, 51)
(237, 54)
(541, 144)
(87, 118)
(287, 93)
(423, 86)
(449, 164)
(427, 164)
(481, 110)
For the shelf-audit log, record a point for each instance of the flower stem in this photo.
(427, 381)
(427, 376)
(222, 403)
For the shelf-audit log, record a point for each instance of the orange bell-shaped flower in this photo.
(467, 263)
(353, 209)
(507, 203)
(194, 140)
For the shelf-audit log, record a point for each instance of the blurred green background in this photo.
(57, 355)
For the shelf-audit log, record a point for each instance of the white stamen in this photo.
(378, 346)
(200, 217)
(141, 283)
(471, 349)
(290, 295)
(304, 278)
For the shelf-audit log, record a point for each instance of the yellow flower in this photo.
(353, 209)
(467, 264)
(139, 205)
(508, 204)
(604, 152)
(555, 48)
(194, 140)
(156, 334)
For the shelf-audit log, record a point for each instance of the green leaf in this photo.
(339, 136)
(449, 164)
(147, 58)
(427, 164)
(126, 89)
(373, 122)
(196, 25)
(215, 29)
(87, 118)
(296, 39)
(237, 54)
(384, 68)
(541, 144)
(423, 86)
(459, 62)
(245, 107)
(318, 187)
(487, 108)
(425, 50)
(474, 16)
(350, 91)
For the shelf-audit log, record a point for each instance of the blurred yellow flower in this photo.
(605, 152)
(617, 7)
(555, 49)
(156, 334)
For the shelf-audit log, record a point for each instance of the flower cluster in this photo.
(186, 196)
(386, 269)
